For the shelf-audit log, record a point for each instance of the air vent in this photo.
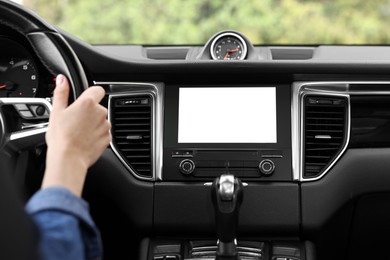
(325, 132)
(131, 119)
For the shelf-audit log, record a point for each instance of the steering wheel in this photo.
(17, 235)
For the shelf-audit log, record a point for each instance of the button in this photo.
(167, 249)
(40, 110)
(171, 257)
(20, 107)
(188, 154)
(26, 114)
(158, 257)
(267, 167)
(177, 154)
(187, 167)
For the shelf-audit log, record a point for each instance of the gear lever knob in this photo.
(227, 194)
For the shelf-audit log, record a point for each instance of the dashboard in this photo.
(304, 127)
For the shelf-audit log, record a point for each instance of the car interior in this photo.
(229, 150)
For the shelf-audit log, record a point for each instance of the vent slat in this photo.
(325, 131)
(141, 163)
(132, 130)
(137, 156)
(130, 124)
(318, 157)
(327, 123)
(321, 149)
(324, 118)
(135, 150)
(316, 164)
(328, 144)
(133, 113)
(131, 118)
(324, 113)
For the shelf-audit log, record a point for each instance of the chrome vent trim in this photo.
(300, 91)
(324, 132)
(120, 90)
(131, 119)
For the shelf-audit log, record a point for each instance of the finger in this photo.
(96, 93)
(61, 93)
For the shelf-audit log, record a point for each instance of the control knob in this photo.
(267, 167)
(187, 167)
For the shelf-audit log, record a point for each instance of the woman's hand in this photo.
(77, 136)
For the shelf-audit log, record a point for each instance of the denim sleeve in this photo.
(66, 229)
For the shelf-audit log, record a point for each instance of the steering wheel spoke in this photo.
(23, 122)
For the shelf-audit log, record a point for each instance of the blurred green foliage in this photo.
(195, 21)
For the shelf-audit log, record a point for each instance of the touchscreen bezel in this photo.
(283, 119)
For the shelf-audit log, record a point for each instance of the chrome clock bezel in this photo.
(231, 34)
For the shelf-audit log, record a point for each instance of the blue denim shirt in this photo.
(66, 229)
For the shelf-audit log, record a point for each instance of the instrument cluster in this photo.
(21, 74)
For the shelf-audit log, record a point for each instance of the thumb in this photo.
(61, 93)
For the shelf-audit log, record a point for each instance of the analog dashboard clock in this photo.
(228, 46)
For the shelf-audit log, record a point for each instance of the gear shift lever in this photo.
(227, 197)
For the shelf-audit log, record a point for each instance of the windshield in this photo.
(178, 22)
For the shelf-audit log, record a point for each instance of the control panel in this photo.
(195, 164)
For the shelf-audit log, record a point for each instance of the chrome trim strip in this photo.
(204, 253)
(250, 249)
(156, 91)
(204, 248)
(335, 88)
(35, 126)
(295, 130)
(24, 134)
(244, 184)
(37, 129)
(242, 248)
(233, 34)
(2, 128)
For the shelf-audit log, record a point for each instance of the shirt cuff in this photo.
(58, 198)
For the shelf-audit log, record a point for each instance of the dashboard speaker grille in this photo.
(131, 119)
(325, 122)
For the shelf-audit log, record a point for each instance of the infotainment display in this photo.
(244, 130)
(227, 115)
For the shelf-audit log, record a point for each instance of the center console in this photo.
(214, 130)
(217, 133)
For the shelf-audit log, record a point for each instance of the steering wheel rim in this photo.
(18, 236)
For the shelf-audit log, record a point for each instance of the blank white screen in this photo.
(227, 115)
